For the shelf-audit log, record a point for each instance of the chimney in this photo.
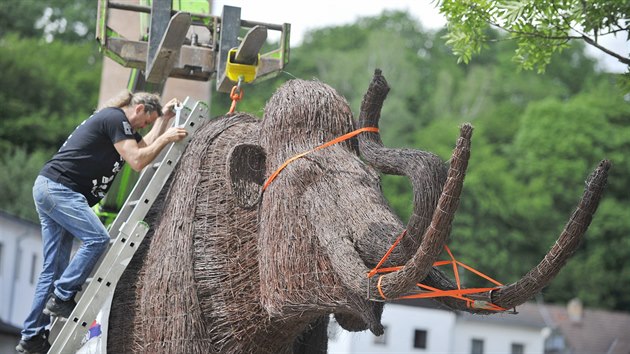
(575, 311)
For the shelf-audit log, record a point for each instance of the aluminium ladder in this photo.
(127, 232)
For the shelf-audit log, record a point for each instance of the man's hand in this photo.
(174, 134)
(168, 110)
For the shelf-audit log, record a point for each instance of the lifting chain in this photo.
(236, 94)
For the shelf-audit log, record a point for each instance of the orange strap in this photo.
(236, 95)
(389, 251)
(431, 292)
(325, 145)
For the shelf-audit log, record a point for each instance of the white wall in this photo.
(21, 241)
(30, 266)
(446, 333)
(497, 338)
(7, 265)
(401, 322)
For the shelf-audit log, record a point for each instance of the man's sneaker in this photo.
(59, 308)
(36, 345)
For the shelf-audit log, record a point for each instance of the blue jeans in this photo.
(63, 214)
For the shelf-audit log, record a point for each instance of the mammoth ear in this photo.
(246, 171)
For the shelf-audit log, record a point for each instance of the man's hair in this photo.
(151, 101)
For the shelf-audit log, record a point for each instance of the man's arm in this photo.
(138, 155)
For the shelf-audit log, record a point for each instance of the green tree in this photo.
(518, 198)
(540, 28)
(559, 143)
(345, 58)
(16, 181)
(46, 90)
(66, 20)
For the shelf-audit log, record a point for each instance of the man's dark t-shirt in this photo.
(88, 161)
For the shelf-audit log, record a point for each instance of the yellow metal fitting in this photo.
(235, 70)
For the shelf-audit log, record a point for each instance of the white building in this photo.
(425, 327)
(20, 265)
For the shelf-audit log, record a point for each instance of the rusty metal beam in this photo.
(197, 63)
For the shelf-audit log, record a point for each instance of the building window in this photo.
(382, 339)
(18, 264)
(420, 339)
(33, 268)
(477, 346)
(333, 329)
(555, 343)
(518, 348)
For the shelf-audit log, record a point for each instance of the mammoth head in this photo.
(318, 200)
(298, 117)
(324, 223)
(301, 115)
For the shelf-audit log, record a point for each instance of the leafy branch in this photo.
(541, 28)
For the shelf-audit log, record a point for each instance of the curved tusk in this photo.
(394, 284)
(540, 276)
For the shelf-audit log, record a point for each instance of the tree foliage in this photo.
(48, 86)
(16, 180)
(523, 198)
(540, 28)
(47, 90)
(65, 20)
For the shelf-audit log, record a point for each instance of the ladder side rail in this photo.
(75, 328)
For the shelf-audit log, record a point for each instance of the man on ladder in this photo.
(74, 180)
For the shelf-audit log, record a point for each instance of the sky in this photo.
(307, 15)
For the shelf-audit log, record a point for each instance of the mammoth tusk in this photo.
(426, 172)
(540, 276)
(394, 284)
(567, 243)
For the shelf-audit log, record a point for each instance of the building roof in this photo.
(17, 219)
(592, 330)
(8, 329)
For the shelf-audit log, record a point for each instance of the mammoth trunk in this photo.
(426, 171)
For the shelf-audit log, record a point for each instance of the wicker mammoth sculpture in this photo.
(236, 265)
